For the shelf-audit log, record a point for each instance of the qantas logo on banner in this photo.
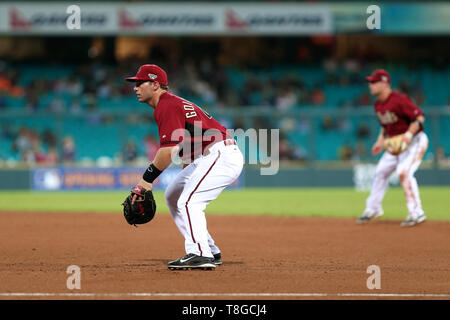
(129, 20)
(273, 20)
(20, 20)
(233, 21)
(126, 21)
(17, 20)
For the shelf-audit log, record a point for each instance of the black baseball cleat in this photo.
(369, 215)
(192, 261)
(218, 259)
(410, 221)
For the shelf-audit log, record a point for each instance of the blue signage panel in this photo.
(52, 179)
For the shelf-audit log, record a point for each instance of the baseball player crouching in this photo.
(405, 142)
(212, 162)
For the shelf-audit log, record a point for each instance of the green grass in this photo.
(324, 202)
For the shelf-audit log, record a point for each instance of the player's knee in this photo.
(170, 197)
(172, 194)
(175, 201)
(402, 175)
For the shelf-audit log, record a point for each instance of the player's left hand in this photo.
(140, 206)
(144, 184)
(397, 144)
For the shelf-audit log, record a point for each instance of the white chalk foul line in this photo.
(99, 295)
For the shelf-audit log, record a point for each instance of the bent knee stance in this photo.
(406, 175)
(171, 196)
(403, 175)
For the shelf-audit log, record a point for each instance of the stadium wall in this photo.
(360, 178)
(336, 178)
(15, 179)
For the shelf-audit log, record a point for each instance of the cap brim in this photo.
(371, 78)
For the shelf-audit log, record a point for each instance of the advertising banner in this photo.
(55, 179)
(277, 19)
(52, 18)
(159, 18)
(400, 18)
(168, 19)
(197, 18)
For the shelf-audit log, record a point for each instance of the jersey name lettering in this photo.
(189, 107)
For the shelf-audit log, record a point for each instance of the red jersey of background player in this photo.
(396, 113)
(174, 115)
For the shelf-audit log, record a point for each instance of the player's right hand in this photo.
(377, 148)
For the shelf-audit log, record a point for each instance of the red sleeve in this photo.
(409, 109)
(170, 123)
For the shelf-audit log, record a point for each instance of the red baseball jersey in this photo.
(396, 113)
(182, 122)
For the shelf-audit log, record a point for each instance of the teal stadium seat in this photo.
(14, 103)
(93, 141)
(32, 72)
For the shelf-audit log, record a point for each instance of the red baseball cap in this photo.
(379, 75)
(150, 72)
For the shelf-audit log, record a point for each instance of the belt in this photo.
(228, 142)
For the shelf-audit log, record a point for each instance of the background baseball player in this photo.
(212, 161)
(403, 137)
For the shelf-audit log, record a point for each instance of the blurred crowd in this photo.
(204, 82)
(42, 148)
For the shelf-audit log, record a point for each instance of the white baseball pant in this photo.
(405, 165)
(195, 187)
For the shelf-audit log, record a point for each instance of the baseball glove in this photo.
(142, 210)
(396, 144)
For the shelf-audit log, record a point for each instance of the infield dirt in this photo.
(261, 254)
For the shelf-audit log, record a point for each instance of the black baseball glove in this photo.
(142, 210)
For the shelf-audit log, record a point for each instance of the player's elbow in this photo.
(165, 156)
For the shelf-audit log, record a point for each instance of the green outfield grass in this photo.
(324, 202)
